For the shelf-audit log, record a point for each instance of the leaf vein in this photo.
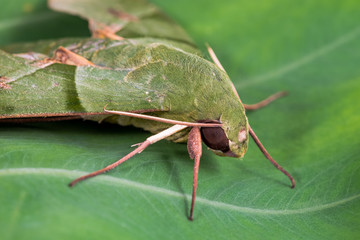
(216, 204)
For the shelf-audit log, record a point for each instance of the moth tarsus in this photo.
(139, 149)
(267, 155)
(142, 146)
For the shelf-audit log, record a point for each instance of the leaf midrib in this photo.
(153, 189)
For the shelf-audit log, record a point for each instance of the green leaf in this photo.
(30, 20)
(309, 49)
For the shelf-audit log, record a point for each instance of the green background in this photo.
(309, 48)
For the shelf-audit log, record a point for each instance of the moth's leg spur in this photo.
(266, 101)
(153, 139)
(267, 155)
(195, 150)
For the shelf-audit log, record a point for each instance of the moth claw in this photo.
(136, 144)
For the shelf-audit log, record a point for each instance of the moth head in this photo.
(222, 143)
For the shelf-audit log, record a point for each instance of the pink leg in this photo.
(267, 155)
(265, 102)
(153, 139)
(111, 166)
(195, 151)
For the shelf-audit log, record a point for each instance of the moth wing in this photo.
(35, 87)
(125, 18)
(89, 47)
(46, 47)
(98, 87)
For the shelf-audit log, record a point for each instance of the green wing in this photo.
(127, 18)
(88, 46)
(31, 87)
(140, 75)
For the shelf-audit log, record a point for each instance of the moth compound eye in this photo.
(215, 138)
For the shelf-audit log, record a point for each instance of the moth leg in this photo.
(66, 56)
(164, 120)
(267, 155)
(195, 150)
(266, 101)
(153, 139)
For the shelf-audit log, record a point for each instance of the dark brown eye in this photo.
(215, 138)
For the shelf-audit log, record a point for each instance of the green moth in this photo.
(139, 68)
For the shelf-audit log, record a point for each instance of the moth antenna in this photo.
(153, 139)
(164, 120)
(217, 63)
(267, 155)
(214, 58)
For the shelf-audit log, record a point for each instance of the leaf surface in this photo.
(309, 49)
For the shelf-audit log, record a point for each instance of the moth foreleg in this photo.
(266, 101)
(153, 139)
(195, 150)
